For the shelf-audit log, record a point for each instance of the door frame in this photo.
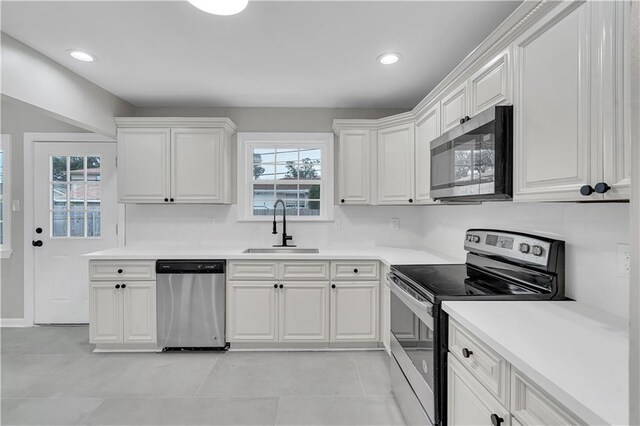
(30, 140)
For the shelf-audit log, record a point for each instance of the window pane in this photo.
(93, 220)
(284, 171)
(264, 172)
(287, 192)
(59, 169)
(77, 222)
(261, 155)
(287, 154)
(93, 169)
(310, 154)
(93, 192)
(76, 193)
(59, 223)
(76, 168)
(309, 170)
(263, 199)
(59, 195)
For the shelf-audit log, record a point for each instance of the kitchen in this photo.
(267, 222)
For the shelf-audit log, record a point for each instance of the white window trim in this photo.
(248, 140)
(5, 247)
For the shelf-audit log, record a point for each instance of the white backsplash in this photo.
(591, 232)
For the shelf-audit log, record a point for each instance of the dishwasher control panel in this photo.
(190, 266)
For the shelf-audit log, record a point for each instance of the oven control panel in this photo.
(523, 248)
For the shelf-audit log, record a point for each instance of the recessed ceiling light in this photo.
(389, 58)
(220, 7)
(81, 56)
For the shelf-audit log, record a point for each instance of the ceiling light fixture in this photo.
(81, 56)
(220, 7)
(389, 58)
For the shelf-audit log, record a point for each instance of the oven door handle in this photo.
(423, 310)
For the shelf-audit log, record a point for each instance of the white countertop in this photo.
(387, 255)
(576, 353)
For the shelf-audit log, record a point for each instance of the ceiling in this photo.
(273, 54)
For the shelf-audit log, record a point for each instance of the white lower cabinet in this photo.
(252, 311)
(472, 396)
(385, 313)
(303, 311)
(122, 312)
(354, 311)
(468, 402)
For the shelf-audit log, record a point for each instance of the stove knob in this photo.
(524, 248)
(536, 250)
(469, 237)
(476, 239)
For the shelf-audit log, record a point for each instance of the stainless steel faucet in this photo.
(285, 237)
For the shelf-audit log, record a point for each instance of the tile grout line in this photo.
(364, 393)
(207, 376)
(275, 421)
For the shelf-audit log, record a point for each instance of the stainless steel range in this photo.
(500, 265)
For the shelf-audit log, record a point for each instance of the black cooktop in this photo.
(446, 282)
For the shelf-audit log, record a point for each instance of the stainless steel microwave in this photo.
(474, 161)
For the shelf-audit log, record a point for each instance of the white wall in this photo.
(33, 78)
(591, 232)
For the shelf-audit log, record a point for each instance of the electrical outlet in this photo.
(623, 257)
(395, 223)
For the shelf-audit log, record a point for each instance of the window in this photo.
(75, 196)
(5, 196)
(294, 167)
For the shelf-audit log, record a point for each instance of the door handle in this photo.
(37, 243)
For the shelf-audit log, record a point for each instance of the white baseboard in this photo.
(12, 322)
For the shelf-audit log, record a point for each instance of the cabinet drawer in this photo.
(531, 406)
(367, 270)
(254, 270)
(103, 270)
(303, 270)
(487, 366)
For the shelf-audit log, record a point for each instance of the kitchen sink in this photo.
(282, 250)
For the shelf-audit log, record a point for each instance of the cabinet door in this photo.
(354, 167)
(252, 311)
(489, 86)
(395, 164)
(354, 311)
(303, 311)
(139, 305)
(454, 107)
(143, 165)
(468, 402)
(553, 152)
(105, 313)
(196, 165)
(427, 129)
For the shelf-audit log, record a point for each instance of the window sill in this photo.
(5, 253)
(289, 219)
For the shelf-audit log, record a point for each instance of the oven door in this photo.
(472, 160)
(412, 346)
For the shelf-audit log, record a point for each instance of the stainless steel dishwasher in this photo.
(191, 304)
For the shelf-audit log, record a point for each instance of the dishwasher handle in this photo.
(190, 266)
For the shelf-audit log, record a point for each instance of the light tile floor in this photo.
(50, 377)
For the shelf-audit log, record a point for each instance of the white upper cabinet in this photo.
(354, 166)
(396, 164)
(196, 165)
(454, 108)
(186, 160)
(490, 85)
(143, 163)
(427, 129)
(569, 121)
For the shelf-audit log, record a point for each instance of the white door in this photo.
(454, 107)
(75, 212)
(354, 167)
(139, 311)
(106, 313)
(427, 129)
(303, 311)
